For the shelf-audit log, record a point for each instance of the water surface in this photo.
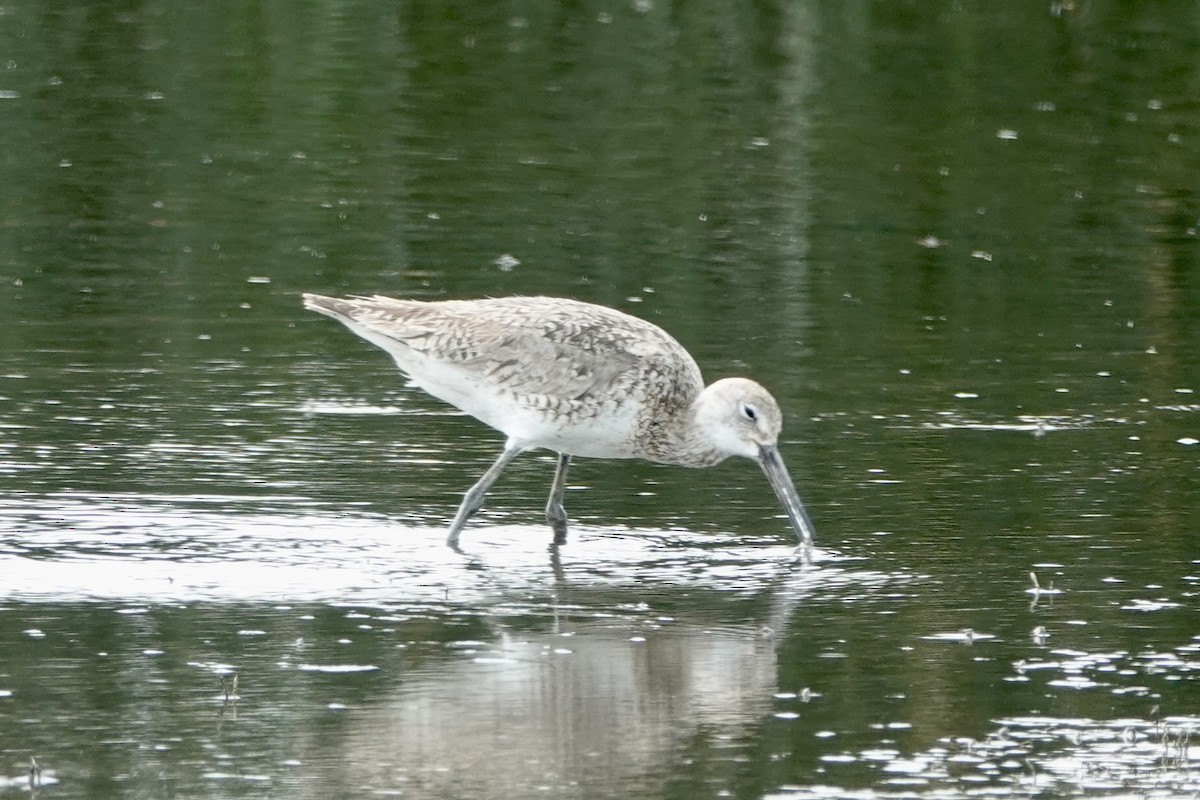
(958, 242)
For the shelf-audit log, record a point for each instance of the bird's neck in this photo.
(687, 444)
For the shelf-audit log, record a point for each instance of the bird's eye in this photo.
(749, 412)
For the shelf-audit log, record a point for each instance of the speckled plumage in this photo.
(572, 377)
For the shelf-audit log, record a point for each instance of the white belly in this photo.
(534, 422)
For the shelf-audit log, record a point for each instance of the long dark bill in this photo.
(781, 482)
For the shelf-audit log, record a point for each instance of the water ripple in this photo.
(215, 548)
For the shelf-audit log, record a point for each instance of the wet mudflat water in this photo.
(958, 242)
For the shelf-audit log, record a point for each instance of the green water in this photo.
(958, 241)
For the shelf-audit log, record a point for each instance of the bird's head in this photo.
(737, 417)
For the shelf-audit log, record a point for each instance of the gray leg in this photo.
(473, 500)
(556, 515)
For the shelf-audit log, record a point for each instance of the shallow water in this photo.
(958, 243)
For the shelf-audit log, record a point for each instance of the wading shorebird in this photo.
(576, 378)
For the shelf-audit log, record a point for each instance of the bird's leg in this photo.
(556, 515)
(473, 500)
